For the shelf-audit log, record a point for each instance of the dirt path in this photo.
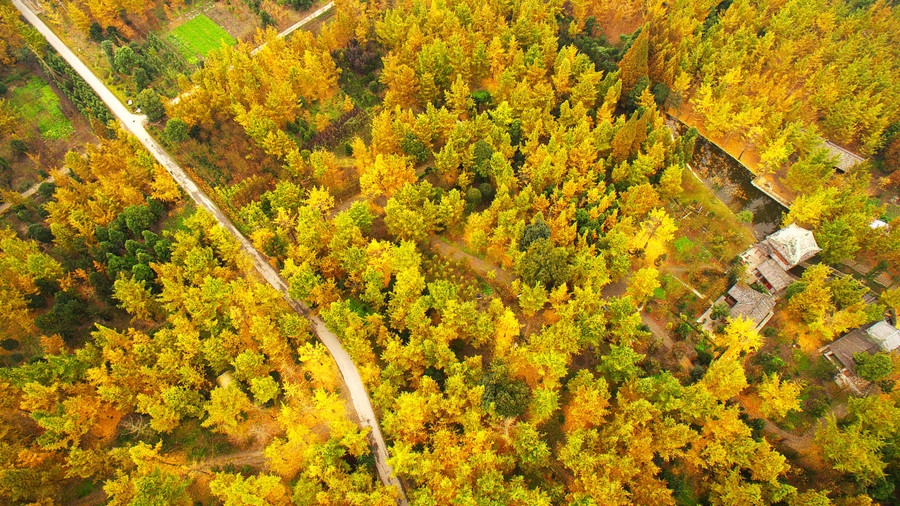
(658, 330)
(455, 252)
(135, 124)
(252, 458)
(346, 204)
(805, 444)
(29, 192)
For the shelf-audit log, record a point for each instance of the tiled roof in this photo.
(855, 342)
(751, 305)
(775, 275)
(886, 335)
(844, 160)
(793, 245)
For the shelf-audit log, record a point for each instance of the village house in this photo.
(769, 261)
(871, 338)
(843, 160)
(745, 302)
(742, 302)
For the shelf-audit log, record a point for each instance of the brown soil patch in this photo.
(105, 428)
(235, 17)
(258, 430)
(614, 26)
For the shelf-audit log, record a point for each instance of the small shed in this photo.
(844, 160)
(885, 335)
(877, 224)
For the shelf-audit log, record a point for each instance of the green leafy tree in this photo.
(544, 263)
(237, 490)
(412, 146)
(533, 232)
(620, 364)
(473, 197)
(226, 408)
(138, 218)
(482, 153)
(151, 105)
(176, 130)
(264, 389)
(778, 396)
(141, 80)
(124, 59)
(838, 240)
(873, 367)
(40, 233)
(508, 396)
(853, 450)
(109, 51)
(95, 32)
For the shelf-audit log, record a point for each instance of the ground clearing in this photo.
(35, 100)
(199, 36)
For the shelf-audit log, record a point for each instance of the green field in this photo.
(199, 36)
(37, 102)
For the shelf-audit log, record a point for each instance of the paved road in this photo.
(135, 124)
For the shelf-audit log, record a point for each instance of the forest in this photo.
(507, 213)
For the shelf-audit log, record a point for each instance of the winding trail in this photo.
(135, 125)
(454, 252)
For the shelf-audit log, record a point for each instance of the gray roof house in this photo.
(871, 338)
(844, 160)
(747, 303)
(774, 276)
(792, 245)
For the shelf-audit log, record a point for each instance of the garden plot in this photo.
(36, 101)
(199, 36)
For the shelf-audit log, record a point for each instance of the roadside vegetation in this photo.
(490, 206)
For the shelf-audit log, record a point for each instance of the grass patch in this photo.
(683, 245)
(36, 100)
(198, 37)
(175, 221)
(891, 212)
